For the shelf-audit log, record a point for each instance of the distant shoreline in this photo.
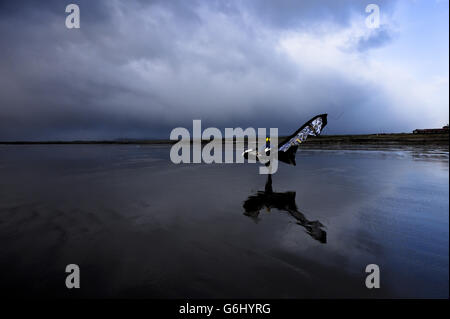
(362, 139)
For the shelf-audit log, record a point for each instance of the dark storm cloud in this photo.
(141, 68)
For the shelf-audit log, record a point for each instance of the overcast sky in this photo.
(138, 69)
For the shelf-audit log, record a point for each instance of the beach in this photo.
(140, 226)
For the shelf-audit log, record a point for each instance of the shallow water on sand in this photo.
(141, 226)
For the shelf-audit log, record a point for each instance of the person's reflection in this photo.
(283, 202)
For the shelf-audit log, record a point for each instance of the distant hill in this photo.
(363, 139)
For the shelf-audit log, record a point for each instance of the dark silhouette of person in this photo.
(283, 202)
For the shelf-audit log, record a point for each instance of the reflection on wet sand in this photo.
(283, 202)
(140, 226)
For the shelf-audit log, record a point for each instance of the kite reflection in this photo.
(283, 202)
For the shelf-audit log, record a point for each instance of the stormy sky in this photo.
(138, 69)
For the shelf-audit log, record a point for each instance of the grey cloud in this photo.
(307, 13)
(140, 68)
(380, 37)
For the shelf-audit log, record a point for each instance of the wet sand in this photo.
(141, 226)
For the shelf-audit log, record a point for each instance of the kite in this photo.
(288, 147)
